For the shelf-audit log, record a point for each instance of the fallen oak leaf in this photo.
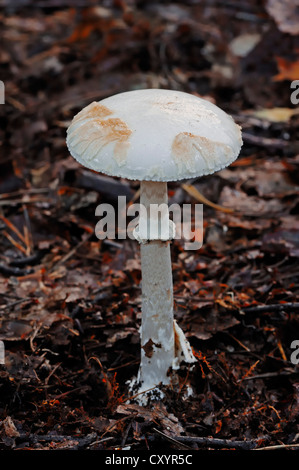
(288, 70)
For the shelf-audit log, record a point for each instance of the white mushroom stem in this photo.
(159, 334)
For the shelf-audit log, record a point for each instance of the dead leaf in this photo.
(15, 330)
(135, 410)
(246, 224)
(282, 241)
(285, 15)
(271, 183)
(288, 70)
(10, 428)
(119, 335)
(274, 114)
(241, 45)
(207, 325)
(170, 423)
(249, 205)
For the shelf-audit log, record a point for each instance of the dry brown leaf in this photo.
(288, 70)
(249, 205)
(285, 15)
(10, 428)
(274, 114)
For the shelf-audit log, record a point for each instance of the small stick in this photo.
(16, 302)
(268, 375)
(14, 242)
(24, 193)
(27, 231)
(70, 253)
(239, 342)
(15, 202)
(279, 446)
(25, 260)
(11, 271)
(126, 433)
(171, 439)
(263, 141)
(211, 441)
(112, 369)
(13, 228)
(288, 306)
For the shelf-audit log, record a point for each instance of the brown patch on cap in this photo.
(91, 136)
(149, 347)
(187, 146)
(93, 111)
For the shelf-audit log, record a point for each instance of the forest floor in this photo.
(70, 304)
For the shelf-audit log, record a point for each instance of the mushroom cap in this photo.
(154, 135)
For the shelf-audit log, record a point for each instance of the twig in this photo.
(14, 242)
(194, 298)
(112, 369)
(239, 342)
(247, 374)
(264, 141)
(171, 439)
(13, 228)
(114, 424)
(52, 372)
(70, 253)
(16, 302)
(269, 375)
(126, 433)
(211, 441)
(279, 446)
(140, 393)
(288, 306)
(62, 395)
(82, 442)
(32, 259)
(15, 202)
(17, 272)
(24, 193)
(27, 232)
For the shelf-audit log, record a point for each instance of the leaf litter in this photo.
(70, 304)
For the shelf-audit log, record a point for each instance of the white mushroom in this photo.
(155, 136)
